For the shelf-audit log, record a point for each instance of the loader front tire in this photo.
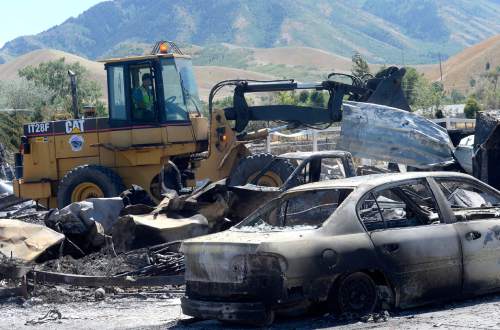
(88, 181)
(249, 167)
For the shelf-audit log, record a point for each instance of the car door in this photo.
(418, 251)
(477, 210)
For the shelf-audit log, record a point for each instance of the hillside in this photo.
(466, 65)
(207, 76)
(384, 31)
(301, 63)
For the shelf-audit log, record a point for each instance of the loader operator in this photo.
(143, 99)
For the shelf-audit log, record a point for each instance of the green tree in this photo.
(53, 76)
(410, 84)
(360, 67)
(11, 128)
(486, 89)
(303, 96)
(456, 96)
(317, 99)
(471, 107)
(289, 98)
(19, 99)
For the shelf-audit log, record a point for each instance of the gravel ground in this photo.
(161, 311)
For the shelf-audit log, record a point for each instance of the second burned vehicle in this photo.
(353, 244)
(296, 168)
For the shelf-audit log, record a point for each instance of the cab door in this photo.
(418, 251)
(477, 210)
(112, 132)
(145, 126)
(176, 99)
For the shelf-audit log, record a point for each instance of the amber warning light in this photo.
(164, 48)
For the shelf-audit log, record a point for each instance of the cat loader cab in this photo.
(154, 117)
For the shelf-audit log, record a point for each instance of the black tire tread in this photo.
(334, 298)
(251, 164)
(112, 188)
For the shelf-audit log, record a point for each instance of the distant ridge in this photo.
(384, 31)
(468, 64)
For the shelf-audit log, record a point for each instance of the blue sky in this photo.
(24, 17)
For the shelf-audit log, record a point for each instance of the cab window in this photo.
(175, 108)
(117, 108)
(142, 93)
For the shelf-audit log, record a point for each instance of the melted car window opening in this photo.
(407, 205)
(469, 201)
(302, 210)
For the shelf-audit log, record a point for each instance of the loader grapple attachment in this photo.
(384, 89)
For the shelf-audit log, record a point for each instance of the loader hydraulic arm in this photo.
(383, 89)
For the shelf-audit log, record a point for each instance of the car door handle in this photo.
(473, 235)
(390, 248)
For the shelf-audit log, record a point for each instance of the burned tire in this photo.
(355, 295)
(88, 181)
(249, 167)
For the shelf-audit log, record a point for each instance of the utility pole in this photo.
(440, 68)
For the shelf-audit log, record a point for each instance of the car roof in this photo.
(374, 180)
(307, 154)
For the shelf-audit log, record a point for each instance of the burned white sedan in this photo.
(353, 245)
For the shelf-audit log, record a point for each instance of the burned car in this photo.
(353, 245)
(307, 167)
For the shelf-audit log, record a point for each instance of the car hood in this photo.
(221, 257)
(383, 133)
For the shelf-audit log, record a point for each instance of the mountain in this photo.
(384, 31)
(468, 65)
(206, 76)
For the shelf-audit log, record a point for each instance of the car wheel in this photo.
(356, 295)
(88, 181)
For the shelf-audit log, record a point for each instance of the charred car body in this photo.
(303, 168)
(401, 240)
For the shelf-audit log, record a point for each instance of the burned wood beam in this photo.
(98, 281)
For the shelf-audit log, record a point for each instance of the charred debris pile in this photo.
(126, 242)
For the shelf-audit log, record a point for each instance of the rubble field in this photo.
(159, 310)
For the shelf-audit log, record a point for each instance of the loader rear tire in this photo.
(249, 167)
(88, 181)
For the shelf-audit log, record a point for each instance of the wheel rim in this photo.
(268, 179)
(357, 296)
(85, 191)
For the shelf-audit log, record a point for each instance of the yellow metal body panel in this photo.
(136, 154)
(32, 190)
(224, 151)
(147, 136)
(200, 128)
(177, 134)
(40, 163)
(121, 138)
(64, 148)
